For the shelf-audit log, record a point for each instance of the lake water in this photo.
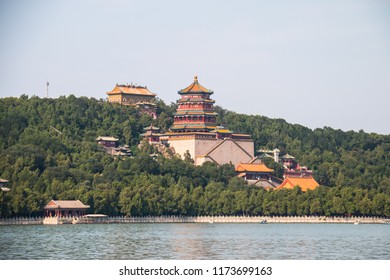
(196, 241)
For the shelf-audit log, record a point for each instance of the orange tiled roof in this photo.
(195, 87)
(130, 89)
(253, 167)
(223, 130)
(304, 183)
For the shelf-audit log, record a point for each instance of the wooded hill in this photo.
(48, 151)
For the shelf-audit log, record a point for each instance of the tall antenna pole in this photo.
(47, 89)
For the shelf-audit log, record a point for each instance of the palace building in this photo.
(110, 144)
(291, 166)
(195, 130)
(61, 208)
(294, 174)
(58, 212)
(107, 141)
(305, 183)
(258, 174)
(134, 95)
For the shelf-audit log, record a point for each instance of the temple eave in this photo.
(195, 91)
(128, 93)
(185, 113)
(195, 100)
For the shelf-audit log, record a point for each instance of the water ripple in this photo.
(196, 241)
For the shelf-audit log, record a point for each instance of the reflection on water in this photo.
(196, 241)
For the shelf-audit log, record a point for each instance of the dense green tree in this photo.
(48, 151)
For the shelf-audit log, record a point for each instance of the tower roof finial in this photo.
(195, 87)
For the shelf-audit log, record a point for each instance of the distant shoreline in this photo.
(201, 219)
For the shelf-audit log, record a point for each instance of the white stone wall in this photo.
(182, 145)
(203, 146)
(230, 152)
(221, 151)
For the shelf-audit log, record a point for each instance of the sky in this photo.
(313, 63)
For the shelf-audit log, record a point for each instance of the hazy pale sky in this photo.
(315, 63)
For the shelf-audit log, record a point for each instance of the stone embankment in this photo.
(21, 221)
(199, 219)
(247, 219)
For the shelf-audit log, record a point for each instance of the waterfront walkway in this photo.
(208, 219)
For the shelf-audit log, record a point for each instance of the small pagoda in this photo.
(110, 144)
(291, 166)
(293, 169)
(195, 111)
(152, 134)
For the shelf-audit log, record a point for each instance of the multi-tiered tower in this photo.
(195, 131)
(195, 111)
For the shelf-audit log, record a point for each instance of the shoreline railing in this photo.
(203, 219)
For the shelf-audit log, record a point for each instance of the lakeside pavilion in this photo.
(65, 208)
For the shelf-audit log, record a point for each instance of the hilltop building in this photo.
(3, 185)
(133, 95)
(195, 110)
(269, 154)
(152, 134)
(291, 166)
(293, 169)
(258, 174)
(110, 144)
(294, 174)
(107, 141)
(121, 151)
(195, 130)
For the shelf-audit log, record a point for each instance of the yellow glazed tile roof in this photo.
(253, 167)
(130, 89)
(195, 87)
(304, 183)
